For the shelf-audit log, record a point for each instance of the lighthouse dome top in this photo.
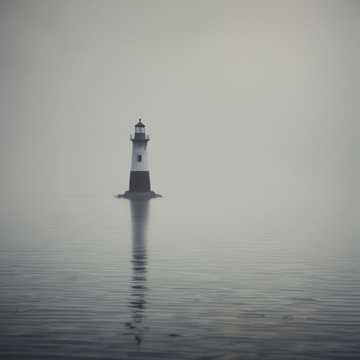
(140, 124)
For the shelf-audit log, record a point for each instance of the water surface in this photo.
(177, 278)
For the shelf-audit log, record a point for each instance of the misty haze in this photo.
(251, 117)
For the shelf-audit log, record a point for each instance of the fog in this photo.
(252, 108)
(253, 101)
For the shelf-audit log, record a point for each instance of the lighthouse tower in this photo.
(139, 184)
(139, 171)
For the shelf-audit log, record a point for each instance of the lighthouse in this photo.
(139, 183)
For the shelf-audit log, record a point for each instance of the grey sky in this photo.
(242, 99)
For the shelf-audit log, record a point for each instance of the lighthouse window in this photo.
(139, 157)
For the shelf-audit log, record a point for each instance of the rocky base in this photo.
(138, 195)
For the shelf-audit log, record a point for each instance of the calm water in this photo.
(178, 278)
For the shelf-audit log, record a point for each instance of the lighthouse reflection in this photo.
(139, 220)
